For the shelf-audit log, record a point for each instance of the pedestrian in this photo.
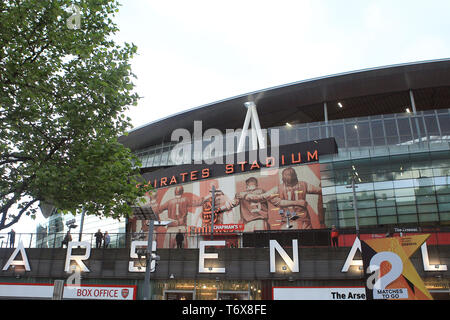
(334, 236)
(106, 240)
(66, 239)
(98, 239)
(12, 238)
(179, 238)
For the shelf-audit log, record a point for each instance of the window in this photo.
(344, 197)
(384, 194)
(425, 200)
(367, 212)
(404, 210)
(352, 134)
(407, 218)
(345, 205)
(444, 123)
(391, 131)
(443, 189)
(347, 214)
(383, 185)
(424, 191)
(365, 204)
(367, 221)
(404, 128)
(403, 183)
(404, 201)
(387, 220)
(443, 198)
(428, 217)
(388, 211)
(325, 131)
(432, 126)
(314, 133)
(444, 206)
(338, 134)
(404, 192)
(388, 202)
(302, 134)
(427, 208)
(328, 190)
(378, 133)
(445, 216)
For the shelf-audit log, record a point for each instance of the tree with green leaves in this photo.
(64, 87)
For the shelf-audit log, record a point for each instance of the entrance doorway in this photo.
(207, 289)
(232, 295)
(179, 295)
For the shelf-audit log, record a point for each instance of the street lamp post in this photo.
(148, 264)
(81, 224)
(146, 213)
(355, 206)
(213, 209)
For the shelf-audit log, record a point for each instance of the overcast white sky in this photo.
(194, 52)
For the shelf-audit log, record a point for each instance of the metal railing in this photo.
(117, 240)
(306, 238)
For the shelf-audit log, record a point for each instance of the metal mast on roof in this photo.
(257, 136)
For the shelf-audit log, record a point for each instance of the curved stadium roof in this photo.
(366, 92)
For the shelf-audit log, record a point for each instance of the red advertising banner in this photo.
(389, 273)
(246, 202)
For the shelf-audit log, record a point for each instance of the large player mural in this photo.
(246, 202)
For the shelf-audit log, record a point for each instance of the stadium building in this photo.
(367, 152)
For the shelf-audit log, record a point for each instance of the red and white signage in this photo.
(23, 290)
(45, 291)
(100, 292)
(318, 293)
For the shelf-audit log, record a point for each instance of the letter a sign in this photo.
(24, 262)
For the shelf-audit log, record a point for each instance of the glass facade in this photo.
(51, 234)
(411, 189)
(400, 163)
(401, 129)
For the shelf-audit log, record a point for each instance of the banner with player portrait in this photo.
(389, 273)
(270, 199)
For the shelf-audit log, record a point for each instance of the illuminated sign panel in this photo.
(91, 292)
(319, 293)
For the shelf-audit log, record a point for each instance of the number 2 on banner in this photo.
(379, 288)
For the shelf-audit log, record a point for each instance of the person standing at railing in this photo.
(66, 239)
(98, 239)
(334, 236)
(179, 238)
(12, 238)
(106, 240)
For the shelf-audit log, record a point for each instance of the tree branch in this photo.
(16, 218)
